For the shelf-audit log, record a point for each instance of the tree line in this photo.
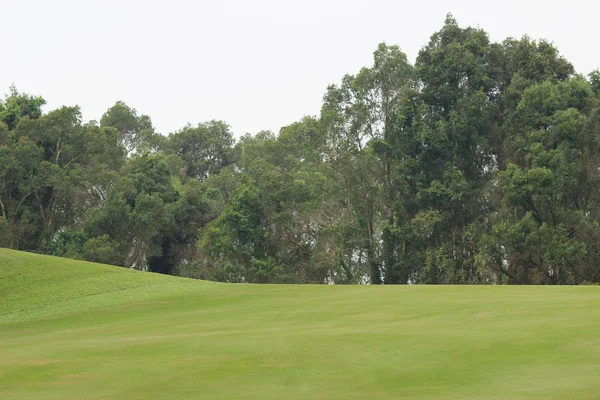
(480, 163)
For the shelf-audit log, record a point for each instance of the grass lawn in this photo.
(76, 330)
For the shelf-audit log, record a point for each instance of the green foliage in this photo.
(103, 250)
(270, 228)
(66, 244)
(136, 132)
(595, 81)
(477, 164)
(204, 149)
(17, 106)
(537, 238)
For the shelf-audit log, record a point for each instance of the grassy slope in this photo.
(72, 330)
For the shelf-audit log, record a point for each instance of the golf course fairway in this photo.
(76, 330)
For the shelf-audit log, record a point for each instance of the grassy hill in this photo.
(76, 330)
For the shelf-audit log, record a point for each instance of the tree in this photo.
(204, 149)
(137, 132)
(53, 167)
(364, 109)
(545, 232)
(149, 220)
(270, 228)
(19, 105)
(477, 164)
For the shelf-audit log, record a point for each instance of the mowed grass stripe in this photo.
(184, 339)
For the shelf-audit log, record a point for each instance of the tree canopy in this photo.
(479, 163)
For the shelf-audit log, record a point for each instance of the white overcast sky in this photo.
(258, 64)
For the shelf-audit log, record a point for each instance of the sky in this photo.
(257, 65)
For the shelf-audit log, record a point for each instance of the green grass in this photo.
(75, 330)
